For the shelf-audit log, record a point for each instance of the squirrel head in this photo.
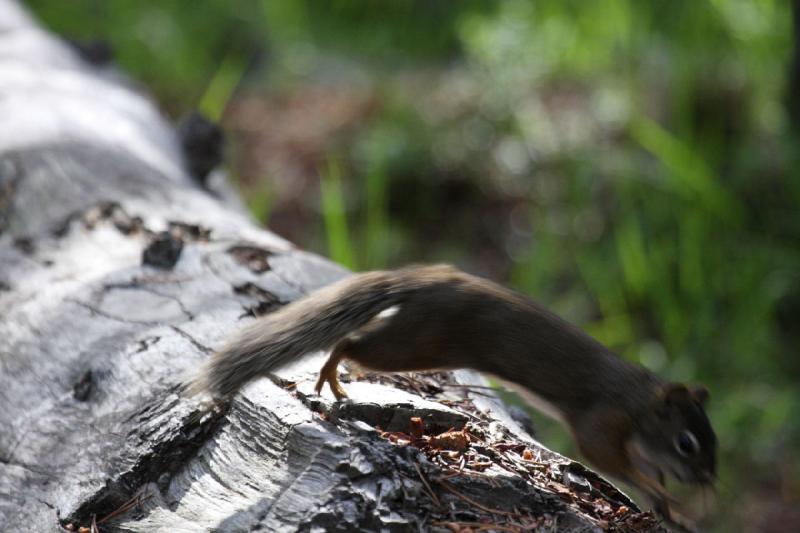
(678, 439)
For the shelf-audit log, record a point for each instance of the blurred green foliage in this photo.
(629, 163)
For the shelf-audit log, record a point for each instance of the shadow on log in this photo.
(120, 274)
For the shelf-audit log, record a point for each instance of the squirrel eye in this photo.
(686, 443)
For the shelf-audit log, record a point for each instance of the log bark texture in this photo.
(120, 274)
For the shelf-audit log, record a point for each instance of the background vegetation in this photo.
(633, 165)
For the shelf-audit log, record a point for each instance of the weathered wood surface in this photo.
(95, 344)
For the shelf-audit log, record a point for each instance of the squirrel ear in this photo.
(700, 393)
(675, 393)
(671, 394)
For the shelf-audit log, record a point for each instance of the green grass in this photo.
(335, 215)
(222, 86)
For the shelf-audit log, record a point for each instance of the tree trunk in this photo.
(120, 274)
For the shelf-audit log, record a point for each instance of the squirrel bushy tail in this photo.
(315, 322)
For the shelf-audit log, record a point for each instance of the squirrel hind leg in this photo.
(328, 373)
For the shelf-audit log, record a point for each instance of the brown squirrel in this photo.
(627, 422)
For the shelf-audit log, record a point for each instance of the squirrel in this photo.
(626, 421)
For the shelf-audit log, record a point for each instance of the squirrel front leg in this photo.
(661, 501)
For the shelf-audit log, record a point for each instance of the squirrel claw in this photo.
(336, 388)
(673, 519)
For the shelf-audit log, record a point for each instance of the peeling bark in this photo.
(120, 274)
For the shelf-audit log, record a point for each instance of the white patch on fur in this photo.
(388, 312)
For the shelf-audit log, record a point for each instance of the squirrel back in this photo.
(312, 323)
